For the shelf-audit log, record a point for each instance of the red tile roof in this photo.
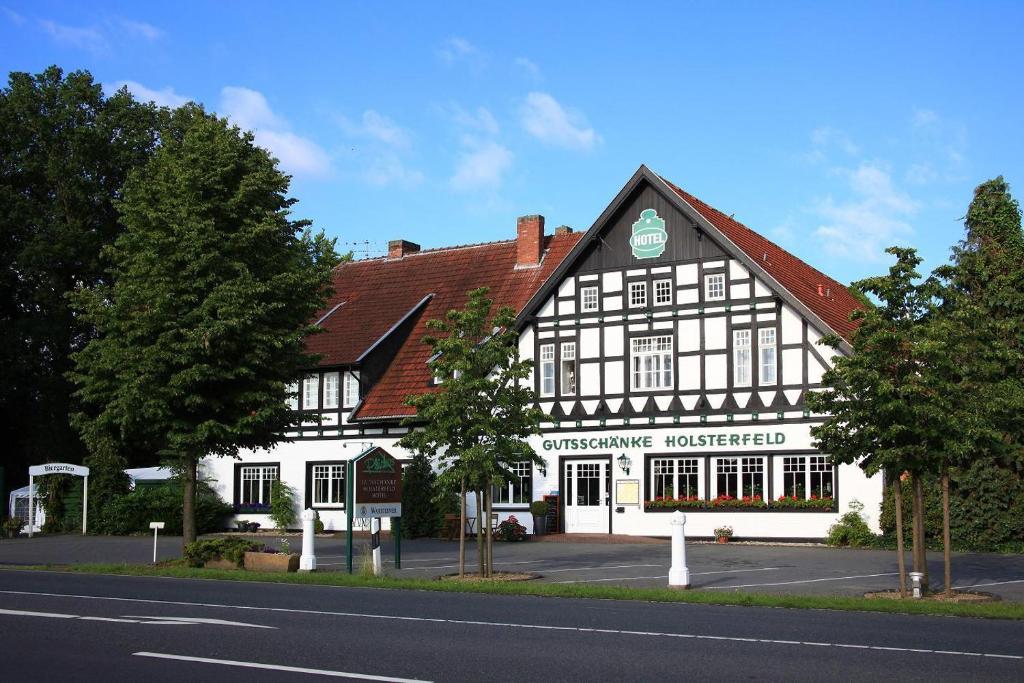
(835, 303)
(377, 293)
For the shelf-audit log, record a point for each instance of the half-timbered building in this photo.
(673, 348)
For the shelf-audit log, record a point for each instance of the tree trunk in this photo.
(901, 560)
(462, 530)
(920, 552)
(947, 562)
(489, 535)
(480, 531)
(188, 506)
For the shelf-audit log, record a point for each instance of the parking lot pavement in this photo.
(809, 570)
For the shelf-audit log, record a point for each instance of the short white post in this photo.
(155, 526)
(679, 573)
(378, 568)
(31, 504)
(915, 578)
(85, 503)
(307, 562)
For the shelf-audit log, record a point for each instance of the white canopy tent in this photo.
(17, 506)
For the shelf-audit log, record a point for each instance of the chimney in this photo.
(529, 240)
(400, 248)
(563, 230)
(821, 290)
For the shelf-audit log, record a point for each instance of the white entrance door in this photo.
(587, 496)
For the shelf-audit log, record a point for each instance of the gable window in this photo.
(255, 482)
(741, 358)
(329, 484)
(807, 477)
(311, 392)
(637, 294)
(568, 363)
(662, 292)
(351, 391)
(293, 395)
(766, 350)
(714, 287)
(588, 299)
(519, 490)
(652, 362)
(330, 390)
(547, 370)
(675, 478)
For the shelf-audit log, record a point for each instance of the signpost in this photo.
(375, 491)
(155, 526)
(57, 468)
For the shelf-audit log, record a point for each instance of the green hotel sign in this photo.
(649, 236)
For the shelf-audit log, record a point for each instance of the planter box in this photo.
(220, 563)
(271, 562)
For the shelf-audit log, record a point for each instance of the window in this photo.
(807, 477)
(518, 491)
(329, 484)
(714, 287)
(330, 390)
(674, 478)
(637, 294)
(766, 350)
(652, 362)
(547, 370)
(741, 358)
(255, 483)
(588, 299)
(311, 392)
(568, 364)
(740, 477)
(293, 395)
(351, 395)
(662, 292)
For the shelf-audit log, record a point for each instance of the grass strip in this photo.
(992, 610)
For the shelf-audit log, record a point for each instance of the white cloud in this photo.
(545, 119)
(378, 127)
(249, 110)
(388, 169)
(924, 118)
(480, 120)
(164, 97)
(457, 50)
(528, 67)
(13, 16)
(481, 165)
(82, 37)
(921, 174)
(826, 138)
(874, 218)
(140, 29)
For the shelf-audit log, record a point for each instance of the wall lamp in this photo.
(624, 463)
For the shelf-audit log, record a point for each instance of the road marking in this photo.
(277, 667)
(788, 583)
(587, 569)
(639, 578)
(201, 620)
(497, 624)
(993, 583)
(132, 619)
(24, 613)
(469, 564)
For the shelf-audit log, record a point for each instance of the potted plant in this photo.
(539, 510)
(510, 530)
(723, 534)
(13, 526)
(271, 559)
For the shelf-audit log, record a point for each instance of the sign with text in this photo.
(367, 510)
(378, 481)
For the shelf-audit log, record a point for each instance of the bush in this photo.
(231, 549)
(510, 530)
(282, 505)
(421, 515)
(539, 508)
(318, 524)
(131, 514)
(13, 526)
(851, 529)
(107, 481)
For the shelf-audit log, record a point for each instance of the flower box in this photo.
(271, 562)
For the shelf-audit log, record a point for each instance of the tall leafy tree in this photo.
(65, 151)
(477, 422)
(213, 286)
(893, 404)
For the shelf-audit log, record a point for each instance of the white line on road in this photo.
(787, 583)
(450, 566)
(498, 624)
(277, 667)
(23, 613)
(132, 619)
(993, 583)
(638, 578)
(587, 569)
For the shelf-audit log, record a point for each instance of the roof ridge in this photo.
(435, 250)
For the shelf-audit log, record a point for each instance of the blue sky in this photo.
(836, 131)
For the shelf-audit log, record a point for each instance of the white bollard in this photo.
(307, 561)
(915, 578)
(155, 526)
(679, 573)
(378, 566)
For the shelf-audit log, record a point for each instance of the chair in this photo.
(494, 522)
(451, 526)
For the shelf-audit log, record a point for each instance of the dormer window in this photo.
(331, 390)
(311, 393)
(568, 363)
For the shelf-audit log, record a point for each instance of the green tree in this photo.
(213, 287)
(477, 422)
(892, 403)
(421, 515)
(65, 151)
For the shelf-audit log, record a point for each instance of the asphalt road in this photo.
(63, 627)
